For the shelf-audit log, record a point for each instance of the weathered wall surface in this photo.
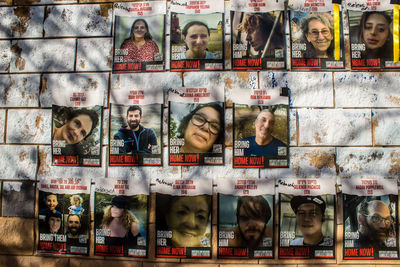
(341, 124)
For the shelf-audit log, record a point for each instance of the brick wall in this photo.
(341, 123)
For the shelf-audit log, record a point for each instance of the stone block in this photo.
(293, 135)
(386, 126)
(29, 126)
(17, 236)
(5, 56)
(94, 54)
(228, 127)
(307, 89)
(330, 127)
(227, 79)
(80, 81)
(18, 162)
(78, 20)
(18, 199)
(20, 90)
(21, 21)
(368, 89)
(42, 2)
(2, 124)
(106, 117)
(107, 262)
(43, 55)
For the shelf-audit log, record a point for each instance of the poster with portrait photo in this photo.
(371, 34)
(312, 35)
(307, 218)
(245, 218)
(257, 35)
(64, 216)
(139, 36)
(121, 217)
(196, 133)
(136, 127)
(260, 128)
(183, 218)
(197, 35)
(370, 219)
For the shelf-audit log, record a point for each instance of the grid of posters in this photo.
(371, 34)
(312, 35)
(183, 217)
(257, 34)
(245, 218)
(307, 218)
(370, 219)
(76, 128)
(136, 127)
(120, 217)
(139, 43)
(196, 126)
(197, 35)
(260, 128)
(64, 216)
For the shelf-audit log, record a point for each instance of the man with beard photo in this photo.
(253, 214)
(137, 139)
(74, 226)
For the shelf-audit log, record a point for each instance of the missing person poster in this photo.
(183, 218)
(64, 216)
(307, 218)
(257, 35)
(245, 218)
(136, 127)
(260, 128)
(196, 126)
(139, 43)
(120, 217)
(312, 32)
(371, 34)
(77, 127)
(370, 219)
(197, 35)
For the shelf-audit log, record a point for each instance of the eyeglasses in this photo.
(199, 121)
(379, 219)
(324, 32)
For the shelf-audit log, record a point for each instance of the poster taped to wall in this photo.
(260, 128)
(64, 216)
(139, 36)
(257, 35)
(196, 126)
(245, 218)
(136, 127)
(370, 218)
(120, 219)
(307, 218)
(197, 35)
(312, 35)
(77, 127)
(180, 204)
(371, 34)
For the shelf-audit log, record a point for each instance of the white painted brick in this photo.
(228, 79)
(229, 128)
(94, 54)
(306, 162)
(5, 55)
(20, 90)
(21, 21)
(2, 124)
(29, 126)
(18, 162)
(334, 127)
(78, 20)
(165, 127)
(367, 89)
(43, 55)
(106, 117)
(307, 89)
(292, 127)
(364, 162)
(386, 126)
(79, 81)
(46, 170)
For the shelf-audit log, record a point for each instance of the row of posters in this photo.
(246, 211)
(196, 133)
(197, 33)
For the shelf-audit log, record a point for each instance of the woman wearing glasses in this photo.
(317, 33)
(201, 128)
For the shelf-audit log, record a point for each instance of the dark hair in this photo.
(260, 211)
(147, 35)
(264, 22)
(133, 108)
(190, 24)
(55, 215)
(185, 121)
(70, 215)
(94, 117)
